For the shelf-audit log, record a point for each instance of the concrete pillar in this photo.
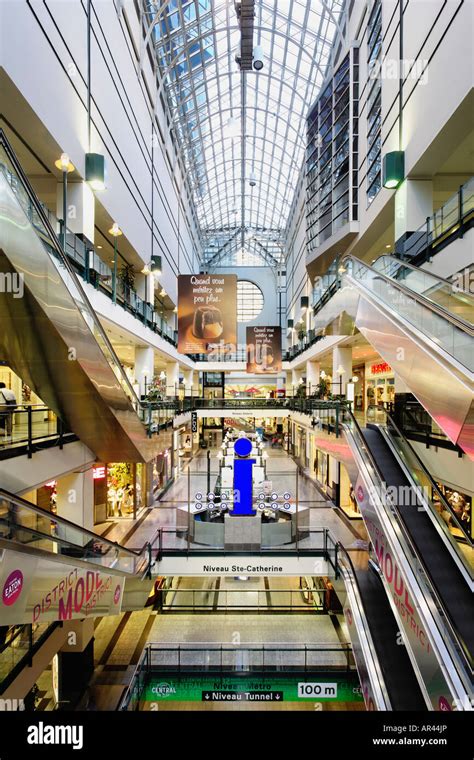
(80, 208)
(145, 287)
(341, 360)
(188, 377)
(144, 367)
(413, 204)
(75, 498)
(281, 384)
(296, 376)
(172, 378)
(312, 376)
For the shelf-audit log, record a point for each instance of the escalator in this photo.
(50, 333)
(385, 671)
(427, 574)
(421, 324)
(52, 569)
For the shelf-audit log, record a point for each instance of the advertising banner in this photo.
(407, 612)
(35, 590)
(263, 349)
(207, 312)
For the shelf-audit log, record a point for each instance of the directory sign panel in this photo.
(207, 313)
(263, 350)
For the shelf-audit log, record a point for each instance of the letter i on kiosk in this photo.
(243, 478)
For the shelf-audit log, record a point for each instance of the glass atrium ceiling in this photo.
(236, 127)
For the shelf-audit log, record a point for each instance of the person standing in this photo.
(8, 404)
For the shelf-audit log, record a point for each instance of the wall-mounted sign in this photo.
(263, 349)
(247, 689)
(98, 472)
(194, 422)
(382, 368)
(207, 312)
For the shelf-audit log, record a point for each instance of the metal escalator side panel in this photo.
(50, 344)
(442, 391)
(443, 674)
(370, 673)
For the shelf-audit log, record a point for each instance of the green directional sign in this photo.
(329, 688)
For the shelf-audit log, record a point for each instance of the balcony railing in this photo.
(30, 427)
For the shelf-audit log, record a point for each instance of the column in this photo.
(80, 208)
(144, 367)
(75, 498)
(413, 204)
(73, 666)
(172, 378)
(312, 376)
(188, 378)
(145, 287)
(341, 368)
(281, 384)
(296, 376)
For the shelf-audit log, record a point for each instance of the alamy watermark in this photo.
(12, 282)
(393, 68)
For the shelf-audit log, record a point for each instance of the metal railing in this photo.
(256, 659)
(30, 525)
(258, 601)
(445, 626)
(28, 426)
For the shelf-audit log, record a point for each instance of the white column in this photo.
(80, 208)
(144, 367)
(188, 377)
(312, 376)
(75, 498)
(413, 203)
(341, 360)
(145, 287)
(172, 378)
(296, 375)
(280, 384)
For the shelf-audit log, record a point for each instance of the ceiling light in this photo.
(163, 292)
(388, 246)
(99, 247)
(252, 179)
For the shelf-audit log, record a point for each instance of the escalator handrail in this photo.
(428, 476)
(65, 261)
(23, 504)
(341, 549)
(446, 618)
(459, 322)
(408, 265)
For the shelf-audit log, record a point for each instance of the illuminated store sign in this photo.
(381, 368)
